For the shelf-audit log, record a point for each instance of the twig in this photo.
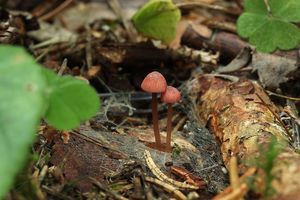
(179, 124)
(88, 48)
(44, 53)
(63, 67)
(229, 189)
(187, 176)
(283, 96)
(207, 6)
(166, 186)
(115, 5)
(36, 184)
(43, 173)
(161, 176)
(233, 174)
(56, 11)
(236, 194)
(109, 192)
(55, 194)
(104, 84)
(268, 7)
(224, 76)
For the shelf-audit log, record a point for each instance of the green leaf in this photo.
(287, 10)
(256, 6)
(158, 19)
(268, 31)
(71, 101)
(27, 91)
(21, 106)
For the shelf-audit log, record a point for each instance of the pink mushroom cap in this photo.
(154, 82)
(171, 95)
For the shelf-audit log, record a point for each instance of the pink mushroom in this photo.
(155, 83)
(170, 96)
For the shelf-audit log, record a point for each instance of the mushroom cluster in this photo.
(155, 83)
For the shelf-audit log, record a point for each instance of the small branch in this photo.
(63, 67)
(207, 6)
(116, 7)
(169, 188)
(161, 176)
(56, 11)
(283, 96)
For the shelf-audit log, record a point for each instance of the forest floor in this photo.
(225, 85)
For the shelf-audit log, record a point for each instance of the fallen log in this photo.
(243, 119)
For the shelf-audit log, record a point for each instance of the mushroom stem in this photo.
(155, 120)
(169, 126)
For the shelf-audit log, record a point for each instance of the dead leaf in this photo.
(238, 62)
(273, 70)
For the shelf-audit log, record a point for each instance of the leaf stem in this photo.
(268, 7)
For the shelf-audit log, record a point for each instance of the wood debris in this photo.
(187, 176)
(168, 187)
(161, 176)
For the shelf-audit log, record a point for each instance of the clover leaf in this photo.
(270, 29)
(21, 108)
(158, 19)
(71, 101)
(28, 93)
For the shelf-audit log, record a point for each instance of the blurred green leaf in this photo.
(71, 101)
(158, 19)
(21, 107)
(27, 93)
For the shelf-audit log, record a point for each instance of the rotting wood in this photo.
(229, 45)
(242, 123)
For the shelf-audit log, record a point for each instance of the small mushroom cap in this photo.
(154, 82)
(171, 95)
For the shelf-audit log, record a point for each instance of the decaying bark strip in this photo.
(241, 116)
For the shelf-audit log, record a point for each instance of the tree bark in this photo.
(242, 118)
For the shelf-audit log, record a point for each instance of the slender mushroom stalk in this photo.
(169, 126)
(155, 120)
(172, 95)
(155, 83)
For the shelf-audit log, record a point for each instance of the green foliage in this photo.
(27, 92)
(21, 106)
(71, 101)
(270, 29)
(176, 151)
(266, 162)
(158, 19)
